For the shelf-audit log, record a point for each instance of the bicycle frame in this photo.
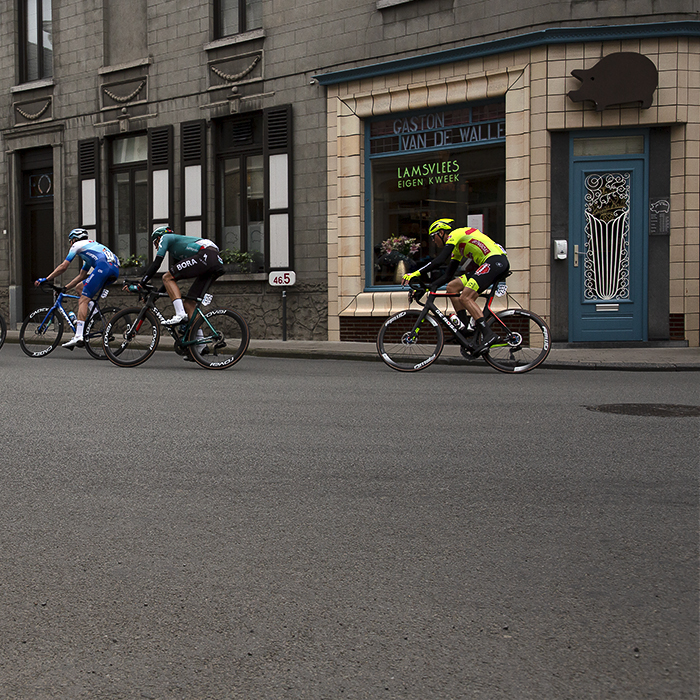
(429, 306)
(150, 298)
(58, 306)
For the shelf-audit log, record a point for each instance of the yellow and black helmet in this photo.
(441, 225)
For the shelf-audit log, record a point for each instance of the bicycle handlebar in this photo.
(51, 287)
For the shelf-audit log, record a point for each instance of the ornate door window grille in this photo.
(607, 259)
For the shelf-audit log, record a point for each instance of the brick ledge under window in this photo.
(383, 4)
(236, 39)
(33, 85)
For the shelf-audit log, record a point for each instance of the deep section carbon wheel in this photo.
(94, 330)
(220, 339)
(405, 345)
(41, 332)
(131, 337)
(523, 341)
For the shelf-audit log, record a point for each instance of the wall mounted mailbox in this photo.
(561, 249)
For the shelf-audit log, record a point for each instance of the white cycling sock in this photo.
(79, 328)
(179, 308)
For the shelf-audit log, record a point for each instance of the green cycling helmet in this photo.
(160, 232)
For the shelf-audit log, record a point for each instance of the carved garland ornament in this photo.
(32, 117)
(127, 98)
(233, 78)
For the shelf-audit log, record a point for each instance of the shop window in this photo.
(423, 167)
(237, 16)
(129, 197)
(36, 42)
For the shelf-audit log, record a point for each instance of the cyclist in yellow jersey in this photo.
(486, 260)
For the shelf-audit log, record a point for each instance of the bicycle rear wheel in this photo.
(221, 337)
(524, 341)
(3, 331)
(41, 332)
(131, 337)
(94, 330)
(408, 348)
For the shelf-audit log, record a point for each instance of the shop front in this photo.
(596, 203)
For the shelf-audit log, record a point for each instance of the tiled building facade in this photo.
(299, 133)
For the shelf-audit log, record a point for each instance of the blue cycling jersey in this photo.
(92, 253)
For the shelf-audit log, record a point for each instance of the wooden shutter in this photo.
(277, 124)
(193, 149)
(88, 176)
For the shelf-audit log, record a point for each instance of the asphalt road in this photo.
(331, 529)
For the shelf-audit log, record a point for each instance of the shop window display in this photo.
(415, 179)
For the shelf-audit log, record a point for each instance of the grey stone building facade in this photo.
(305, 135)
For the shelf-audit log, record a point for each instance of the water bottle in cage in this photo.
(501, 289)
(456, 322)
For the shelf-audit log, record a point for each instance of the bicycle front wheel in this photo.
(41, 332)
(523, 344)
(94, 330)
(131, 337)
(219, 339)
(3, 331)
(405, 345)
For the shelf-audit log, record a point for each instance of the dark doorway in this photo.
(37, 225)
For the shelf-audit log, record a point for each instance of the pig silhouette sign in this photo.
(618, 78)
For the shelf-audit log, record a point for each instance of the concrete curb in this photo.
(645, 359)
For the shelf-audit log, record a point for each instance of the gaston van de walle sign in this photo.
(431, 130)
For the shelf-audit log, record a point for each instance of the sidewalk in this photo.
(661, 358)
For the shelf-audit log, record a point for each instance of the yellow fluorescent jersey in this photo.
(470, 242)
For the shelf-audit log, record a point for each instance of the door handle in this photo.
(576, 254)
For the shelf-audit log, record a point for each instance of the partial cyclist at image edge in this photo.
(483, 260)
(189, 257)
(100, 268)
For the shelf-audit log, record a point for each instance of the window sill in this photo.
(243, 277)
(105, 70)
(34, 85)
(236, 39)
(383, 4)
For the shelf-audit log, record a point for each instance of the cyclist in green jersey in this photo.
(189, 257)
(483, 259)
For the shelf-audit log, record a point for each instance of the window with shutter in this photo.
(193, 149)
(253, 199)
(88, 175)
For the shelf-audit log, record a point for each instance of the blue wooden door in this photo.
(607, 261)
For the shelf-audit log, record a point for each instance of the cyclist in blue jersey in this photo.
(189, 257)
(100, 268)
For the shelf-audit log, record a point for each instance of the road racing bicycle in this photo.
(216, 339)
(412, 340)
(42, 330)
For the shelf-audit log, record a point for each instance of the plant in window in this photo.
(401, 245)
(132, 261)
(395, 253)
(397, 248)
(233, 256)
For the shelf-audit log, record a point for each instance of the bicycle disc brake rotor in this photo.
(514, 339)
